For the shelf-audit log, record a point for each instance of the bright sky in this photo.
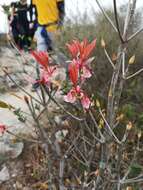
(73, 7)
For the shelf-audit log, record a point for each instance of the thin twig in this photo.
(123, 64)
(109, 59)
(111, 131)
(106, 16)
(135, 34)
(133, 75)
(60, 106)
(133, 180)
(91, 133)
(21, 87)
(97, 127)
(18, 51)
(22, 138)
(117, 21)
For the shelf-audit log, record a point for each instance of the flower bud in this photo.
(129, 126)
(139, 134)
(103, 43)
(132, 59)
(97, 103)
(26, 99)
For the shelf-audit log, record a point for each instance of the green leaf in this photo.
(5, 105)
(135, 170)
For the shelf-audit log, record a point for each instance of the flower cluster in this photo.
(47, 71)
(79, 70)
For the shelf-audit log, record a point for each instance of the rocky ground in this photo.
(20, 68)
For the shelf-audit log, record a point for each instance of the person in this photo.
(22, 21)
(50, 19)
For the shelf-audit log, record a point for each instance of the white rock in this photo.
(4, 174)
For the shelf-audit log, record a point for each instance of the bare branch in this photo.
(70, 114)
(110, 130)
(21, 87)
(117, 21)
(96, 138)
(123, 64)
(109, 59)
(23, 138)
(135, 34)
(133, 75)
(129, 17)
(98, 129)
(106, 16)
(134, 180)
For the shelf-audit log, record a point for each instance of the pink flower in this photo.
(46, 75)
(77, 94)
(71, 96)
(2, 128)
(85, 101)
(86, 72)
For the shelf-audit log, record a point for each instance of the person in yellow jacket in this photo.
(50, 18)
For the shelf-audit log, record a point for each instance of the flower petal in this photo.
(41, 57)
(70, 97)
(86, 73)
(73, 72)
(85, 101)
(88, 49)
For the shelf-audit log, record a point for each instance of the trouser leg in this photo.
(44, 39)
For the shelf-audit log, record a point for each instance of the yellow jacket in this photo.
(48, 13)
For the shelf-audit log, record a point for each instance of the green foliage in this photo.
(128, 110)
(140, 121)
(20, 115)
(135, 170)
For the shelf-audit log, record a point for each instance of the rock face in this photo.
(15, 65)
(4, 174)
(21, 69)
